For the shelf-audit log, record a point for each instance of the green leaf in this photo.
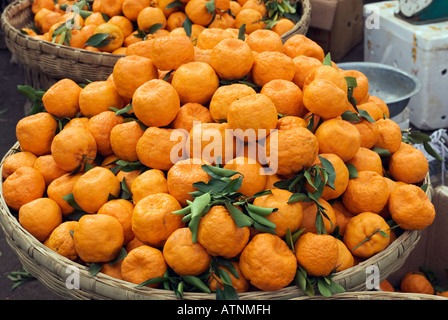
(350, 116)
(262, 220)
(302, 281)
(262, 211)
(296, 197)
(196, 282)
(152, 281)
(351, 82)
(329, 169)
(210, 5)
(94, 268)
(242, 32)
(364, 114)
(327, 60)
(352, 171)
(239, 217)
(174, 4)
(197, 207)
(217, 172)
(432, 152)
(71, 201)
(123, 110)
(382, 152)
(155, 27)
(187, 25)
(98, 40)
(323, 287)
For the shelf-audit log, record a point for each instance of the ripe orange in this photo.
(94, 187)
(268, 263)
(195, 82)
(288, 216)
(291, 122)
(367, 192)
(123, 23)
(73, 147)
(121, 210)
(223, 98)
(184, 256)
(48, 168)
(140, 48)
(181, 177)
(116, 36)
(232, 59)
(158, 146)
(98, 238)
(411, 208)
(368, 131)
(342, 214)
(62, 99)
(17, 160)
(240, 284)
(362, 89)
(389, 135)
(198, 13)
(210, 37)
(317, 253)
(148, 182)
(77, 122)
(264, 40)
(310, 213)
(346, 259)
(188, 114)
(415, 282)
(153, 220)
(131, 72)
(385, 285)
(61, 187)
(150, 16)
(271, 65)
(40, 217)
(252, 18)
(36, 132)
(254, 178)
(367, 160)
(169, 52)
(286, 96)
(299, 44)
(175, 20)
(283, 26)
(61, 240)
(325, 72)
(39, 4)
(363, 237)
(131, 8)
(100, 126)
(111, 7)
(99, 96)
(381, 104)
(408, 164)
(303, 66)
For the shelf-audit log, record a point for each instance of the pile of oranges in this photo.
(114, 26)
(95, 174)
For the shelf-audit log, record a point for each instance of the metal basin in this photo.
(392, 85)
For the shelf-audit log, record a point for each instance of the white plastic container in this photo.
(421, 50)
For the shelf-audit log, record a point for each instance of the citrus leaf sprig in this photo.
(224, 289)
(417, 137)
(222, 189)
(277, 9)
(324, 284)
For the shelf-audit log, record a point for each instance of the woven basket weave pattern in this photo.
(50, 267)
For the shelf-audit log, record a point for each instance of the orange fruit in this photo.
(62, 99)
(325, 72)
(299, 44)
(303, 66)
(40, 217)
(131, 8)
(190, 113)
(134, 243)
(39, 4)
(264, 40)
(372, 109)
(240, 283)
(369, 132)
(132, 38)
(116, 36)
(288, 215)
(256, 5)
(408, 164)
(157, 151)
(175, 20)
(271, 65)
(112, 270)
(346, 259)
(286, 96)
(44, 19)
(95, 18)
(415, 282)
(363, 237)
(169, 53)
(153, 220)
(98, 238)
(121, 210)
(150, 16)
(389, 135)
(367, 160)
(61, 240)
(73, 147)
(181, 177)
(77, 122)
(381, 104)
(254, 178)
(367, 192)
(362, 89)
(219, 234)
(211, 142)
(131, 72)
(140, 48)
(411, 208)
(290, 122)
(342, 214)
(94, 187)
(99, 96)
(318, 254)
(385, 285)
(128, 177)
(143, 263)
(197, 12)
(218, 22)
(310, 213)
(283, 26)
(339, 137)
(251, 18)
(252, 117)
(61, 187)
(111, 7)
(195, 82)
(325, 99)
(36, 132)
(48, 168)
(123, 23)
(148, 182)
(223, 98)
(290, 151)
(210, 37)
(100, 126)
(23, 186)
(232, 59)
(184, 256)
(268, 263)
(124, 138)
(15, 161)
(156, 103)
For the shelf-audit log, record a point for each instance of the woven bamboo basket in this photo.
(45, 62)
(53, 270)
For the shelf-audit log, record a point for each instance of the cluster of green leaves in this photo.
(20, 277)
(222, 189)
(277, 9)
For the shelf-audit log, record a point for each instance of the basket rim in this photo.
(289, 292)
